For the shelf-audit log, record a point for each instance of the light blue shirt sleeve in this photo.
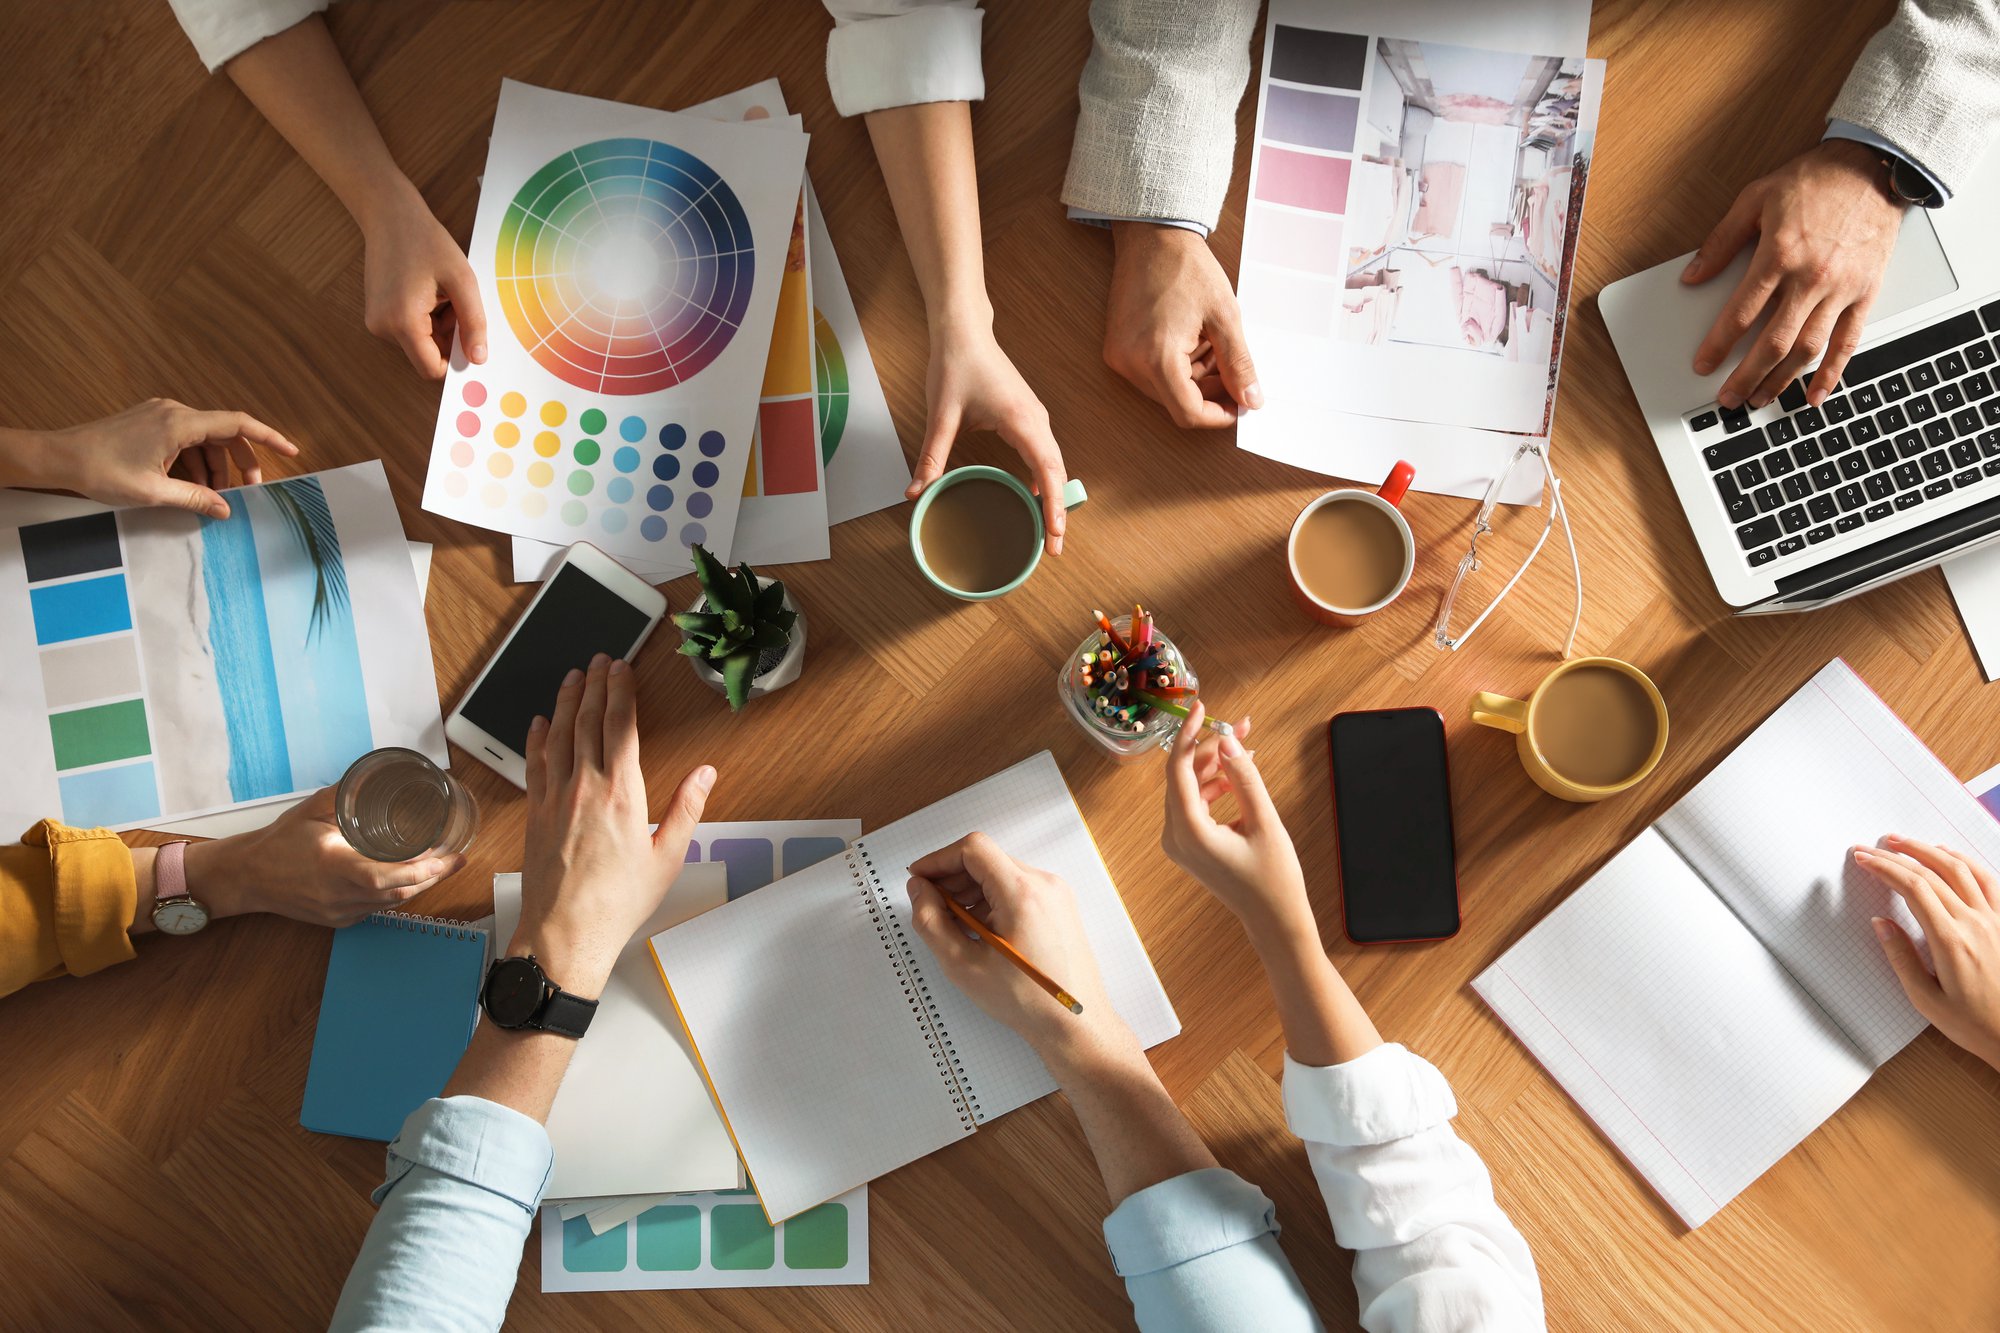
(1091, 219)
(1199, 1252)
(465, 1176)
(1861, 134)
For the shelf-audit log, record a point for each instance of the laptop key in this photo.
(1965, 478)
(1850, 497)
(1793, 396)
(1825, 476)
(1881, 454)
(1767, 498)
(1735, 418)
(1979, 354)
(1819, 534)
(1791, 546)
(1837, 408)
(1906, 475)
(1835, 440)
(1923, 377)
(1795, 519)
(1762, 532)
(1729, 453)
(1935, 463)
(1909, 499)
(1895, 387)
(1702, 421)
(1949, 398)
(1821, 508)
(1849, 522)
(1853, 466)
(1806, 451)
(1909, 444)
(1797, 486)
(1989, 443)
(1763, 557)
(1778, 462)
(1977, 386)
(1920, 408)
(1781, 431)
(1872, 513)
(1950, 366)
(1964, 454)
(1990, 312)
(1863, 429)
(1878, 486)
(1937, 490)
(1872, 363)
(1965, 421)
(1866, 398)
(1809, 420)
(1937, 433)
(1991, 467)
(1990, 412)
(1750, 474)
(1891, 419)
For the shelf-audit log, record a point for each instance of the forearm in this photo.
(1136, 1133)
(299, 82)
(927, 162)
(26, 458)
(1324, 1023)
(523, 1069)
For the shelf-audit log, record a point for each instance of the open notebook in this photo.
(1716, 991)
(835, 1046)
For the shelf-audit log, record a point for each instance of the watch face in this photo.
(180, 916)
(514, 991)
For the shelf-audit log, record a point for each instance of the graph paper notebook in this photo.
(836, 1047)
(1715, 992)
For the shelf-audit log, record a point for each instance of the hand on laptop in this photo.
(1957, 901)
(593, 874)
(1035, 912)
(1172, 326)
(157, 453)
(1824, 228)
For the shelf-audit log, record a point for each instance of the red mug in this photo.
(1386, 499)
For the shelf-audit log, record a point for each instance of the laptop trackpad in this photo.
(1918, 270)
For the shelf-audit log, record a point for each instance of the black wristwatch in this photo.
(518, 994)
(1909, 186)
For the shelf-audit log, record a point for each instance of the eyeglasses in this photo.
(1483, 525)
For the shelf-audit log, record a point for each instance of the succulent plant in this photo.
(740, 623)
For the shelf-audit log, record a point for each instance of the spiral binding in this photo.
(429, 925)
(916, 990)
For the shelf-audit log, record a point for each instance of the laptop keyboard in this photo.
(1914, 420)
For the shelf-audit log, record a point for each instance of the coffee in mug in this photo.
(1350, 552)
(978, 536)
(1593, 727)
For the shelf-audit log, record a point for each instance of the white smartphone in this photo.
(589, 604)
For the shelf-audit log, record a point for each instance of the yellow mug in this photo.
(1518, 716)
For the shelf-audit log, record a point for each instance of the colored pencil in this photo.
(1117, 640)
(1215, 725)
(1010, 953)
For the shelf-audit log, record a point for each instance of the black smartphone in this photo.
(1392, 816)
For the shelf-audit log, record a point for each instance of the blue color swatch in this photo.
(65, 611)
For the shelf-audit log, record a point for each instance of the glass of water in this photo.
(394, 804)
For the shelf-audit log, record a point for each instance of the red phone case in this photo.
(1444, 758)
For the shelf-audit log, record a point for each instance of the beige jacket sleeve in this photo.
(1929, 83)
(1156, 114)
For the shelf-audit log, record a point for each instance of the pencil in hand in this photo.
(1010, 953)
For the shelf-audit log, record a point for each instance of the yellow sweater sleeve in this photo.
(66, 901)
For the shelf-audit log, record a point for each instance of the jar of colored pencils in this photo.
(1104, 684)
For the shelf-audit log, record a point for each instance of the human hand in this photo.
(1249, 863)
(299, 866)
(158, 453)
(419, 287)
(592, 874)
(1957, 901)
(1824, 229)
(974, 386)
(1172, 326)
(1036, 913)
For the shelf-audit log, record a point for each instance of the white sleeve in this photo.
(886, 53)
(1432, 1250)
(224, 29)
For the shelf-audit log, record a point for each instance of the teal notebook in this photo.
(401, 999)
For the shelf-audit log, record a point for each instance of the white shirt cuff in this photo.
(1861, 134)
(221, 30)
(1094, 219)
(926, 55)
(1379, 1097)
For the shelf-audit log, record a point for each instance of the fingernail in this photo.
(1055, 547)
(1729, 399)
(538, 725)
(1232, 748)
(704, 777)
(572, 678)
(1862, 854)
(431, 869)
(599, 659)
(620, 667)
(1694, 267)
(478, 352)
(1253, 395)
(1893, 838)
(1702, 365)
(1882, 928)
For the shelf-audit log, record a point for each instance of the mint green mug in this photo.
(1072, 496)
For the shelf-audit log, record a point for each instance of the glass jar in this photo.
(394, 804)
(1156, 731)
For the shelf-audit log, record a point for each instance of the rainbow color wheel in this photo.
(624, 266)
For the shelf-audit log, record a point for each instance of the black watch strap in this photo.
(564, 1014)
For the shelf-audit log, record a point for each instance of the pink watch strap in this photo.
(170, 872)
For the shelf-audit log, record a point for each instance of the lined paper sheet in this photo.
(1770, 829)
(1679, 1034)
(1027, 809)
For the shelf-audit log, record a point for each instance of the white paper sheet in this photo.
(654, 239)
(1341, 387)
(1974, 581)
(192, 665)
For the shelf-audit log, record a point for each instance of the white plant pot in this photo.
(782, 673)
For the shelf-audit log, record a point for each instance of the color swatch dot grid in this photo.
(92, 682)
(596, 470)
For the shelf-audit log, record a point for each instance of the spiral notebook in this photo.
(834, 1045)
(1715, 992)
(401, 1000)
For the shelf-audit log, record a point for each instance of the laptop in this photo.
(1796, 507)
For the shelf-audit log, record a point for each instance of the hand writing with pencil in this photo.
(1957, 902)
(1035, 913)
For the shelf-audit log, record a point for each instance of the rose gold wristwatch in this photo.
(175, 910)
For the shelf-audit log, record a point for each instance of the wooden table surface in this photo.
(160, 239)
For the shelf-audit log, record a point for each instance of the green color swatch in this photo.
(739, 1237)
(100, 735)
(586, 1253)
(817, 1239)
(587, 452)
(670, 1238)
(592, 421)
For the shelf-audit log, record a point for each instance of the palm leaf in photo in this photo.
(301, 503)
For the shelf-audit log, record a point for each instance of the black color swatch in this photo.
(70, 546)
(1324, 59)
